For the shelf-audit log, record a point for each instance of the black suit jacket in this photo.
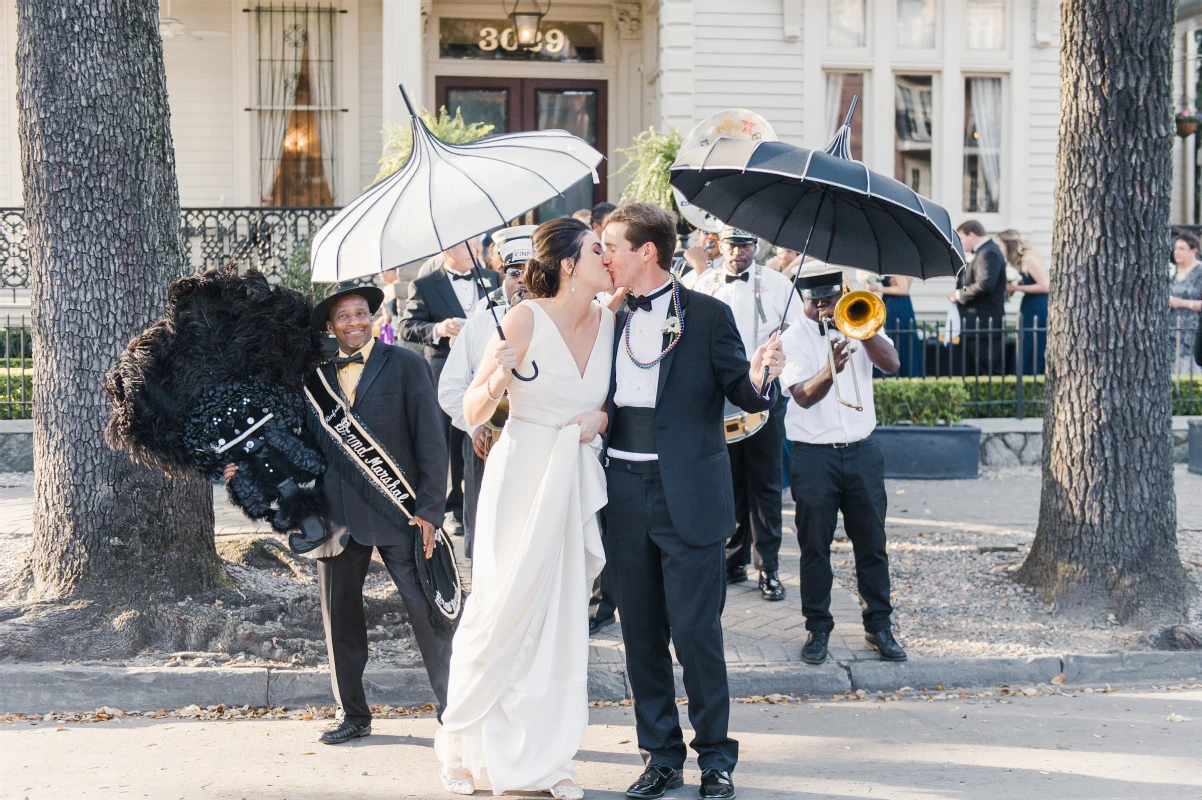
(982, 288)
(708, 367)
(431, 300)
(398, 403)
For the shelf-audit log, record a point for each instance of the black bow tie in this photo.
(742, 276)
(339, 361)
(636, 302)
(455, 276)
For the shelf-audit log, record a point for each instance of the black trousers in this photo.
(755, 466)
(668, 591)
(340, 582)
(473, 473)
(826, 480)
(603, 602)
(455, 439)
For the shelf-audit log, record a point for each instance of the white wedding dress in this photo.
(517, 705)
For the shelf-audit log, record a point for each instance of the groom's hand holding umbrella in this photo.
(769, 356)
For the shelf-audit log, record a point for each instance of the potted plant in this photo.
(450, 129)
(1187, 121)
(917, 429)
(647, 162)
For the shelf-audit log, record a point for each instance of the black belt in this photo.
(634, 430)
(835, 445)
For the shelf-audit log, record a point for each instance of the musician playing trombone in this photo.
(758, 296)
(836, 465)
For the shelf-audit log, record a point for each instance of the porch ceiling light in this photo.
(526, 22)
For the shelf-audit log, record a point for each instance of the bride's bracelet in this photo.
(488, 390)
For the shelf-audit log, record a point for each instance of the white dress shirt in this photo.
(462, 362)
(636, 387)
(465, 291)
(775, 289)
(827, 421)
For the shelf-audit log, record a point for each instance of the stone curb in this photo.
(38, 689)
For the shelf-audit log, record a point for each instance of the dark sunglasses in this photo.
(514, 272)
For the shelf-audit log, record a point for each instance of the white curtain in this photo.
(274, 96)
(986, 96)
(834, 102)
(320, 25)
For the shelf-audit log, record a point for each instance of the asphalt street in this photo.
(1116, 745)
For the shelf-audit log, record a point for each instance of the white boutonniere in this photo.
(671, 327)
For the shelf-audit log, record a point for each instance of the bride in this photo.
(517, 705)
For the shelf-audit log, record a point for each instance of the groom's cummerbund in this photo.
(634, 430)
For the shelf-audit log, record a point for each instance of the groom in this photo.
(678, 356)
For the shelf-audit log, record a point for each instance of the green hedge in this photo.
(934, 401)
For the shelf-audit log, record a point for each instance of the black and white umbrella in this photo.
(823, 203)
(446, 194)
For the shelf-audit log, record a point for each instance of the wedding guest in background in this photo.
(900, 323)
(980, 297)
(585, 215)
(1034, 308)
(600, 214)
(1185, 299)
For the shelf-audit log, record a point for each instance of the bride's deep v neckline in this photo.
(582, 373)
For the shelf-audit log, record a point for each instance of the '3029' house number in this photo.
(553, 40)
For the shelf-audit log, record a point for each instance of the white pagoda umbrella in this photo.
(446, 194)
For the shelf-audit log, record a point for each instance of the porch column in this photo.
(403, 59)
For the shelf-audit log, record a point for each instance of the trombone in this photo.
(858, 315)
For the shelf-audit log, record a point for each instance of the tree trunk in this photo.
(102, 206)
(1107, 522)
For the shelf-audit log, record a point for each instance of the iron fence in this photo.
(261, 237)
(16, 369)
(1002, 368)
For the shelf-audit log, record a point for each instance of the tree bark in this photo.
(1107, 539)
(102, 206)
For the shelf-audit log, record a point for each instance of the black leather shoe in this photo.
(736, 574)
(452, 526)
(771, 589)
(656, 780)
(716, 783)
(345, 732)
(814, 651)
(884, 643)
(595, 624)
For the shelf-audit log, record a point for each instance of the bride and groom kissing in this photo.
(650, 383)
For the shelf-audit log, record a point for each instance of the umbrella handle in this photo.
(534, 364)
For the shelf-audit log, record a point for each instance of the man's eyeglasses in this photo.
(514, 272)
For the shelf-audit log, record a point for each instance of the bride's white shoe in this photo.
(567, 792)
(457, 785)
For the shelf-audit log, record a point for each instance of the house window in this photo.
(916, 24)
(840, 88)
(846, 23)
(982, 144)
(913, 126)
(296, 104)
(985, 24)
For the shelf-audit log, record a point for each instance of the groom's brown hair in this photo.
(648, 223)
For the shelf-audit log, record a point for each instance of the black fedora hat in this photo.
(335, 292)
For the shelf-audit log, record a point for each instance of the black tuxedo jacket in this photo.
(982, 288)
(431, 300)
(398, 403)
(707, 367)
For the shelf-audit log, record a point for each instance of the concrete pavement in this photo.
(1116, 745)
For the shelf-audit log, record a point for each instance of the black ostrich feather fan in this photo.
(220, 328)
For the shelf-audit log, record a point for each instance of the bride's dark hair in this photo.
(553, 241)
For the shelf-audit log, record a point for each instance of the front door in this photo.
(529, 104)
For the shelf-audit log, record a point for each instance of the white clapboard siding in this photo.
(743, 61)
(1043, 116)
(371, 88)
(200, 88)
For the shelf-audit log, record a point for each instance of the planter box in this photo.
(1195, 446)
(935, 453)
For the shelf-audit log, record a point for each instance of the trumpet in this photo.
(857, 315)
(496, 423)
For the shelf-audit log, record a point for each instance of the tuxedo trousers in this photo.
(668, 591)
(340, 582)
(473, 474)
(755, 467)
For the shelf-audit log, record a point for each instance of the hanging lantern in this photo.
(526, 22)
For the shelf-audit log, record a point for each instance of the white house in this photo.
(284, 103)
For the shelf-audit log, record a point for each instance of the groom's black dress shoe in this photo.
(597, 623)
(884, 643)
(814, 651)
(716, 783)
(736, 574)
(345, 732)
(656, 780)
